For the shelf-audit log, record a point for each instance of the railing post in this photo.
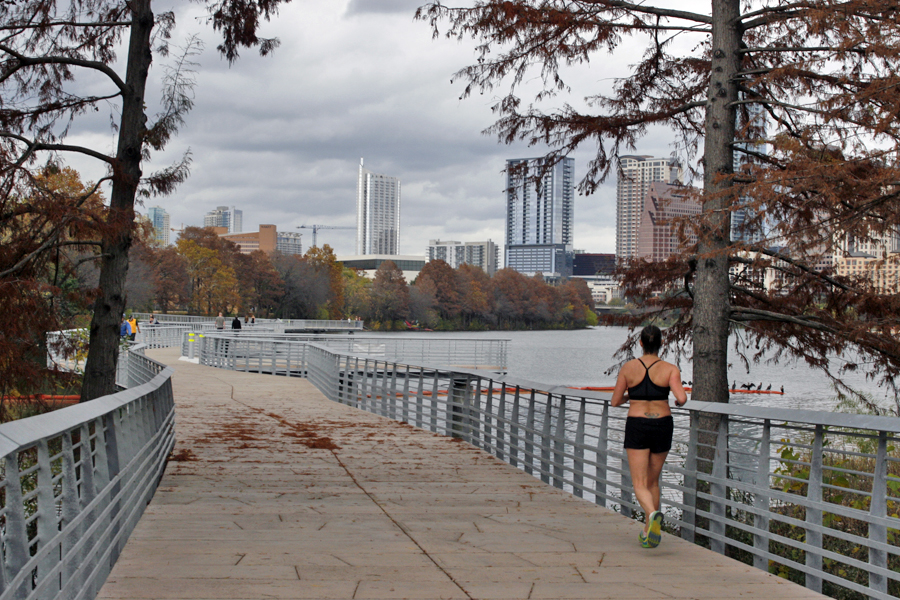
(434, 404)
(366, 386)
(529, 437)
(514, 431)
(46, 507)
(546, 439)
(476, 415)
(559, 445)
(578, 451)
(406, 395)
(16, 537)
(486, 415)
(627, 490)
(718, 490)
(761, 500)
(689, 496)
(878, 512)
(501, 426)
(602, 458)
(814, 515)
(458, 407)
(420, 398)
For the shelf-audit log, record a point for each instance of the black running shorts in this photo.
(642, 433)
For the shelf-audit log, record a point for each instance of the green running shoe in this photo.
(645, 543)
(654, 534)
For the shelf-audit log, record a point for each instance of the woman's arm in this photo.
(676, 387)
(620, 393)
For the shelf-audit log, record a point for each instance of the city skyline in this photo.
(290, 152)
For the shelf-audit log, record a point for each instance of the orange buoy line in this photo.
(609, 388)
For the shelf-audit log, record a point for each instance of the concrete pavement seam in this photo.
(400, 526)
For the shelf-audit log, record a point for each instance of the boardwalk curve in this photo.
(276, 492)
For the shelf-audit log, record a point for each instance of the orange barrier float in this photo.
(609, 388)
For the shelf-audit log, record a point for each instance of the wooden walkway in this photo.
(276, 492)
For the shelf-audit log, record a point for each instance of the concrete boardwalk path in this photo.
(276, 492)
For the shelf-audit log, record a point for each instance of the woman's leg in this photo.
(639, 462)
(655, 465)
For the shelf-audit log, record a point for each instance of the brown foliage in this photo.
(47, 47)
(805, 101)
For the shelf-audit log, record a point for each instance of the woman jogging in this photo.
(645, 384)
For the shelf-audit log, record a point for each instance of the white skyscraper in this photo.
(225, 216)
(160, 220)
(539, 216)
(377, 213)
(636, 173)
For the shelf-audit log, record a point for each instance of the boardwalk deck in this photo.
(279, 493)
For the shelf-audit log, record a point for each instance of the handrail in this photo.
(76, 481)
(767, 485)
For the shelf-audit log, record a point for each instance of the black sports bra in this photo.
(646, 389)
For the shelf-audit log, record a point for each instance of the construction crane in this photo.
(316, 228)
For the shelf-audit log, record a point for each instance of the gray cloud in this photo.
(359, 7)
(281, 137)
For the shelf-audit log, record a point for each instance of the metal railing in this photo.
(74, 483)
(285, 354)
(813, 496)
(279, 325)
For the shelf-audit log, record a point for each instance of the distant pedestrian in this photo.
(153, 322)
(220, 322)
(252, 319)
(135, 328)
(649, 425)
(124, 328)
(236, 323)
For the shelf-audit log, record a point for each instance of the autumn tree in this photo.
(443, 277)
(357, 294)
(307, 288)
(48, 227)
(214, 286)
(48, 47)
(261, 288)
(171, 281)
(477, 299)
(390, 294)
(323, 260)
(802, 96)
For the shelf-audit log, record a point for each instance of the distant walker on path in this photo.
(645, 383)
(220, 322)
(236, 323)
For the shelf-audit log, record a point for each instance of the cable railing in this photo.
(74, 483)
(279, 325)
(810, 495)
(285, 354)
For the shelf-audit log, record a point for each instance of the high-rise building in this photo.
(225, 216)
(636, 173)
(664, 205)
(484, 255)
(742, 226)
(539, 216)
(160, 220)
(377, 213)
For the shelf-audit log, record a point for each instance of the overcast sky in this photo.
(280, 137)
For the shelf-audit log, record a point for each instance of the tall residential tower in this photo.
(160, 220)
(225, 216)
(539, 216)
(636, 173)
(377, 213)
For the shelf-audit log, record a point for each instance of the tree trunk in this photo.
(711, 291)
(100, 369)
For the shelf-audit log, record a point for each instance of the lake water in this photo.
(581, 358)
